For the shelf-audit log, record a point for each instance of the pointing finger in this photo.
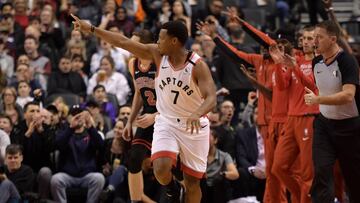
(75, 17)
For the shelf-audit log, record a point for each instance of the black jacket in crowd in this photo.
(36, 148)
(70, 82)
(23, 178)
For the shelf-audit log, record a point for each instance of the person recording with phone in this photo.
(79, 144)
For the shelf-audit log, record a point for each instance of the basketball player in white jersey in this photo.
(185, 94)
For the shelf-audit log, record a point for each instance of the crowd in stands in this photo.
(65, 98)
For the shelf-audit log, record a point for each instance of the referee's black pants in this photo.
(336, 139)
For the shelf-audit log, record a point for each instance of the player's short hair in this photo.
(308, 28)
(331, 28)
(176, 29)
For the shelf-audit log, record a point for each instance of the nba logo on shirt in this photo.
(306, 134)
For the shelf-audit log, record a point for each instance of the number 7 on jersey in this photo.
(176, 95)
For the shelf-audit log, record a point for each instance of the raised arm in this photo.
(342, 41)
(256, 34)
(260, 37)
(239, 57)
(266, 91)
(144, 51)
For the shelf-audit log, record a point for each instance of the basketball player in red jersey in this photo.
(185, 93)
(297, 138)
(272, 100)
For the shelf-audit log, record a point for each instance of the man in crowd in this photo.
(15, 174)
(78, 143)
(36, 140)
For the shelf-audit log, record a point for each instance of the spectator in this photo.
(116, 54)
(196, 47)
(21, 16)
(116, 155)
(215, 8)
(124, 114)
(12, 33)
(164, 15)
(44, 47)
(23, 73)
(9, 106)
(179, 12)
(24, 97)
(50, 31)
(214, 118)
(4, 142)
(90, 44)
(36, 139)
(77, 66)
(103, 123)
(7, 8)
(41, 64)
(79, 142)
(250, 159)
(226, 132)
(114, 82)
(6, 61)
(66, 81)
(246, 116)
(220, 168)
(55, 122)
(76, 47)
(88, 9)
(21, 175)
(107, 108)
(63, 109)
(124, 111)
(6, 124)
(123, 22)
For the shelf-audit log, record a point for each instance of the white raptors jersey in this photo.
(178, 96)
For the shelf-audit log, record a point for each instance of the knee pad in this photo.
(136, 157)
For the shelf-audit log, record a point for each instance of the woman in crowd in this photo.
(115, 159)
(114, 82)
(9, 106)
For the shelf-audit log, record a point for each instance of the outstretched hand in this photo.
(289, 61)
(232, 15)
(81, 25)
(248, 73)
(206, 28)
(276, 54)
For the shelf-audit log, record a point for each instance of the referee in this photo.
(337, 128)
